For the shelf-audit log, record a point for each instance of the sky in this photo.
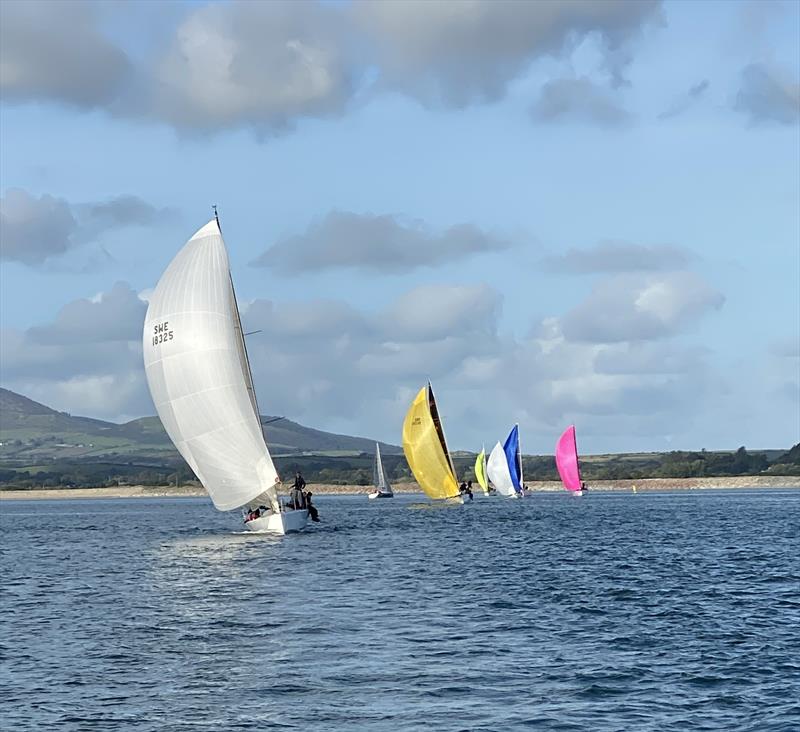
(559, 212)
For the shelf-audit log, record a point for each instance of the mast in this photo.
(440, 429)
(519, 461)
(237, 325)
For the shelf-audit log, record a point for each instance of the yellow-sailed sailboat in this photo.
(426, 449)
(480, 471)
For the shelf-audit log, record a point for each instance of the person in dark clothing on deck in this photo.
(297, 499)
(312, 509)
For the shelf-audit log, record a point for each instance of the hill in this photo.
(32, 431)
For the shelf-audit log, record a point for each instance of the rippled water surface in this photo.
(612, 612)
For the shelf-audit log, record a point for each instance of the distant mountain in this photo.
(30, 429)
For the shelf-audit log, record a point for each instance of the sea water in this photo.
(610, 612)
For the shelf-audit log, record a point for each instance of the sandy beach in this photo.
(649, 484)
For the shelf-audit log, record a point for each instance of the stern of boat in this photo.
(286, 522)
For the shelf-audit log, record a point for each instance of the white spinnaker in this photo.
(380, 479)
(498, 473)
(198, 374)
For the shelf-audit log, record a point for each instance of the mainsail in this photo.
(426, 449)
(380, 479)
(498, 471)
(480, 471)
(567, 460)
(199, 375)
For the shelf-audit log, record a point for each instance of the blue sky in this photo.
(581, 212)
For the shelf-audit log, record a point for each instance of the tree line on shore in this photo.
(357, 470)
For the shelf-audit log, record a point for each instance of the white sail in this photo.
(498, 473)
(199, 377)
(380, 479)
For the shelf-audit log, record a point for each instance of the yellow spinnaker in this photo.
(425, 448)
(480, 471)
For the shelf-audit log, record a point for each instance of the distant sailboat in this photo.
(199, 377)
(567, 462)
(426, 450)
(480, 471)
(379, 477)
(504, 468)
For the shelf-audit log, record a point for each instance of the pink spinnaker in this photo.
(567, 460)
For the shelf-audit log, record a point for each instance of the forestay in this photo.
(426, 449)
(567, 460)
(498, 472)
(380, 479)
(199, 376)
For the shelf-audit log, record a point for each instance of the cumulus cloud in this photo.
(254, 63)
(385, 243)
(686, 100)
(337, 367)
(618, 256)
(578, 100)
(465, 51)
(632, 308)
(768, 94)
(35, 229)
(114, 316)
(87, 361)
(53, 49)
(266, 65)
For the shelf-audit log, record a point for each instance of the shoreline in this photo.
(604, 486)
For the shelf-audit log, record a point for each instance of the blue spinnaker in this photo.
(511, 449)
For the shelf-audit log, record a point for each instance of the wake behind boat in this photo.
(199, 377)
(379, 478)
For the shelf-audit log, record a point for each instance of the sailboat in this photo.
(567, 462)
(426, 450)
(480, 471)
(199, 376)
(504, 467)
(380, 479)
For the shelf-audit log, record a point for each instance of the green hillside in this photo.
(30, 431)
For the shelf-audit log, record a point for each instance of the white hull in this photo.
(460, 499)
(288, 522)
(578, 493)
(378, 494)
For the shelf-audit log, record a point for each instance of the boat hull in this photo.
(287, 522)
(459, 499)
(378, 494)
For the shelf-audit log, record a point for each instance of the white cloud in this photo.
(53, 49)
(768, 94)
(266, 65)
(88, 361)
(578, 100)
(259, 64)
(384, 243)
(634, 308)
(38, 229)
(336, 367)
(465, 51)
(619, 256)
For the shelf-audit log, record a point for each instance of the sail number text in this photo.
(161, 333)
